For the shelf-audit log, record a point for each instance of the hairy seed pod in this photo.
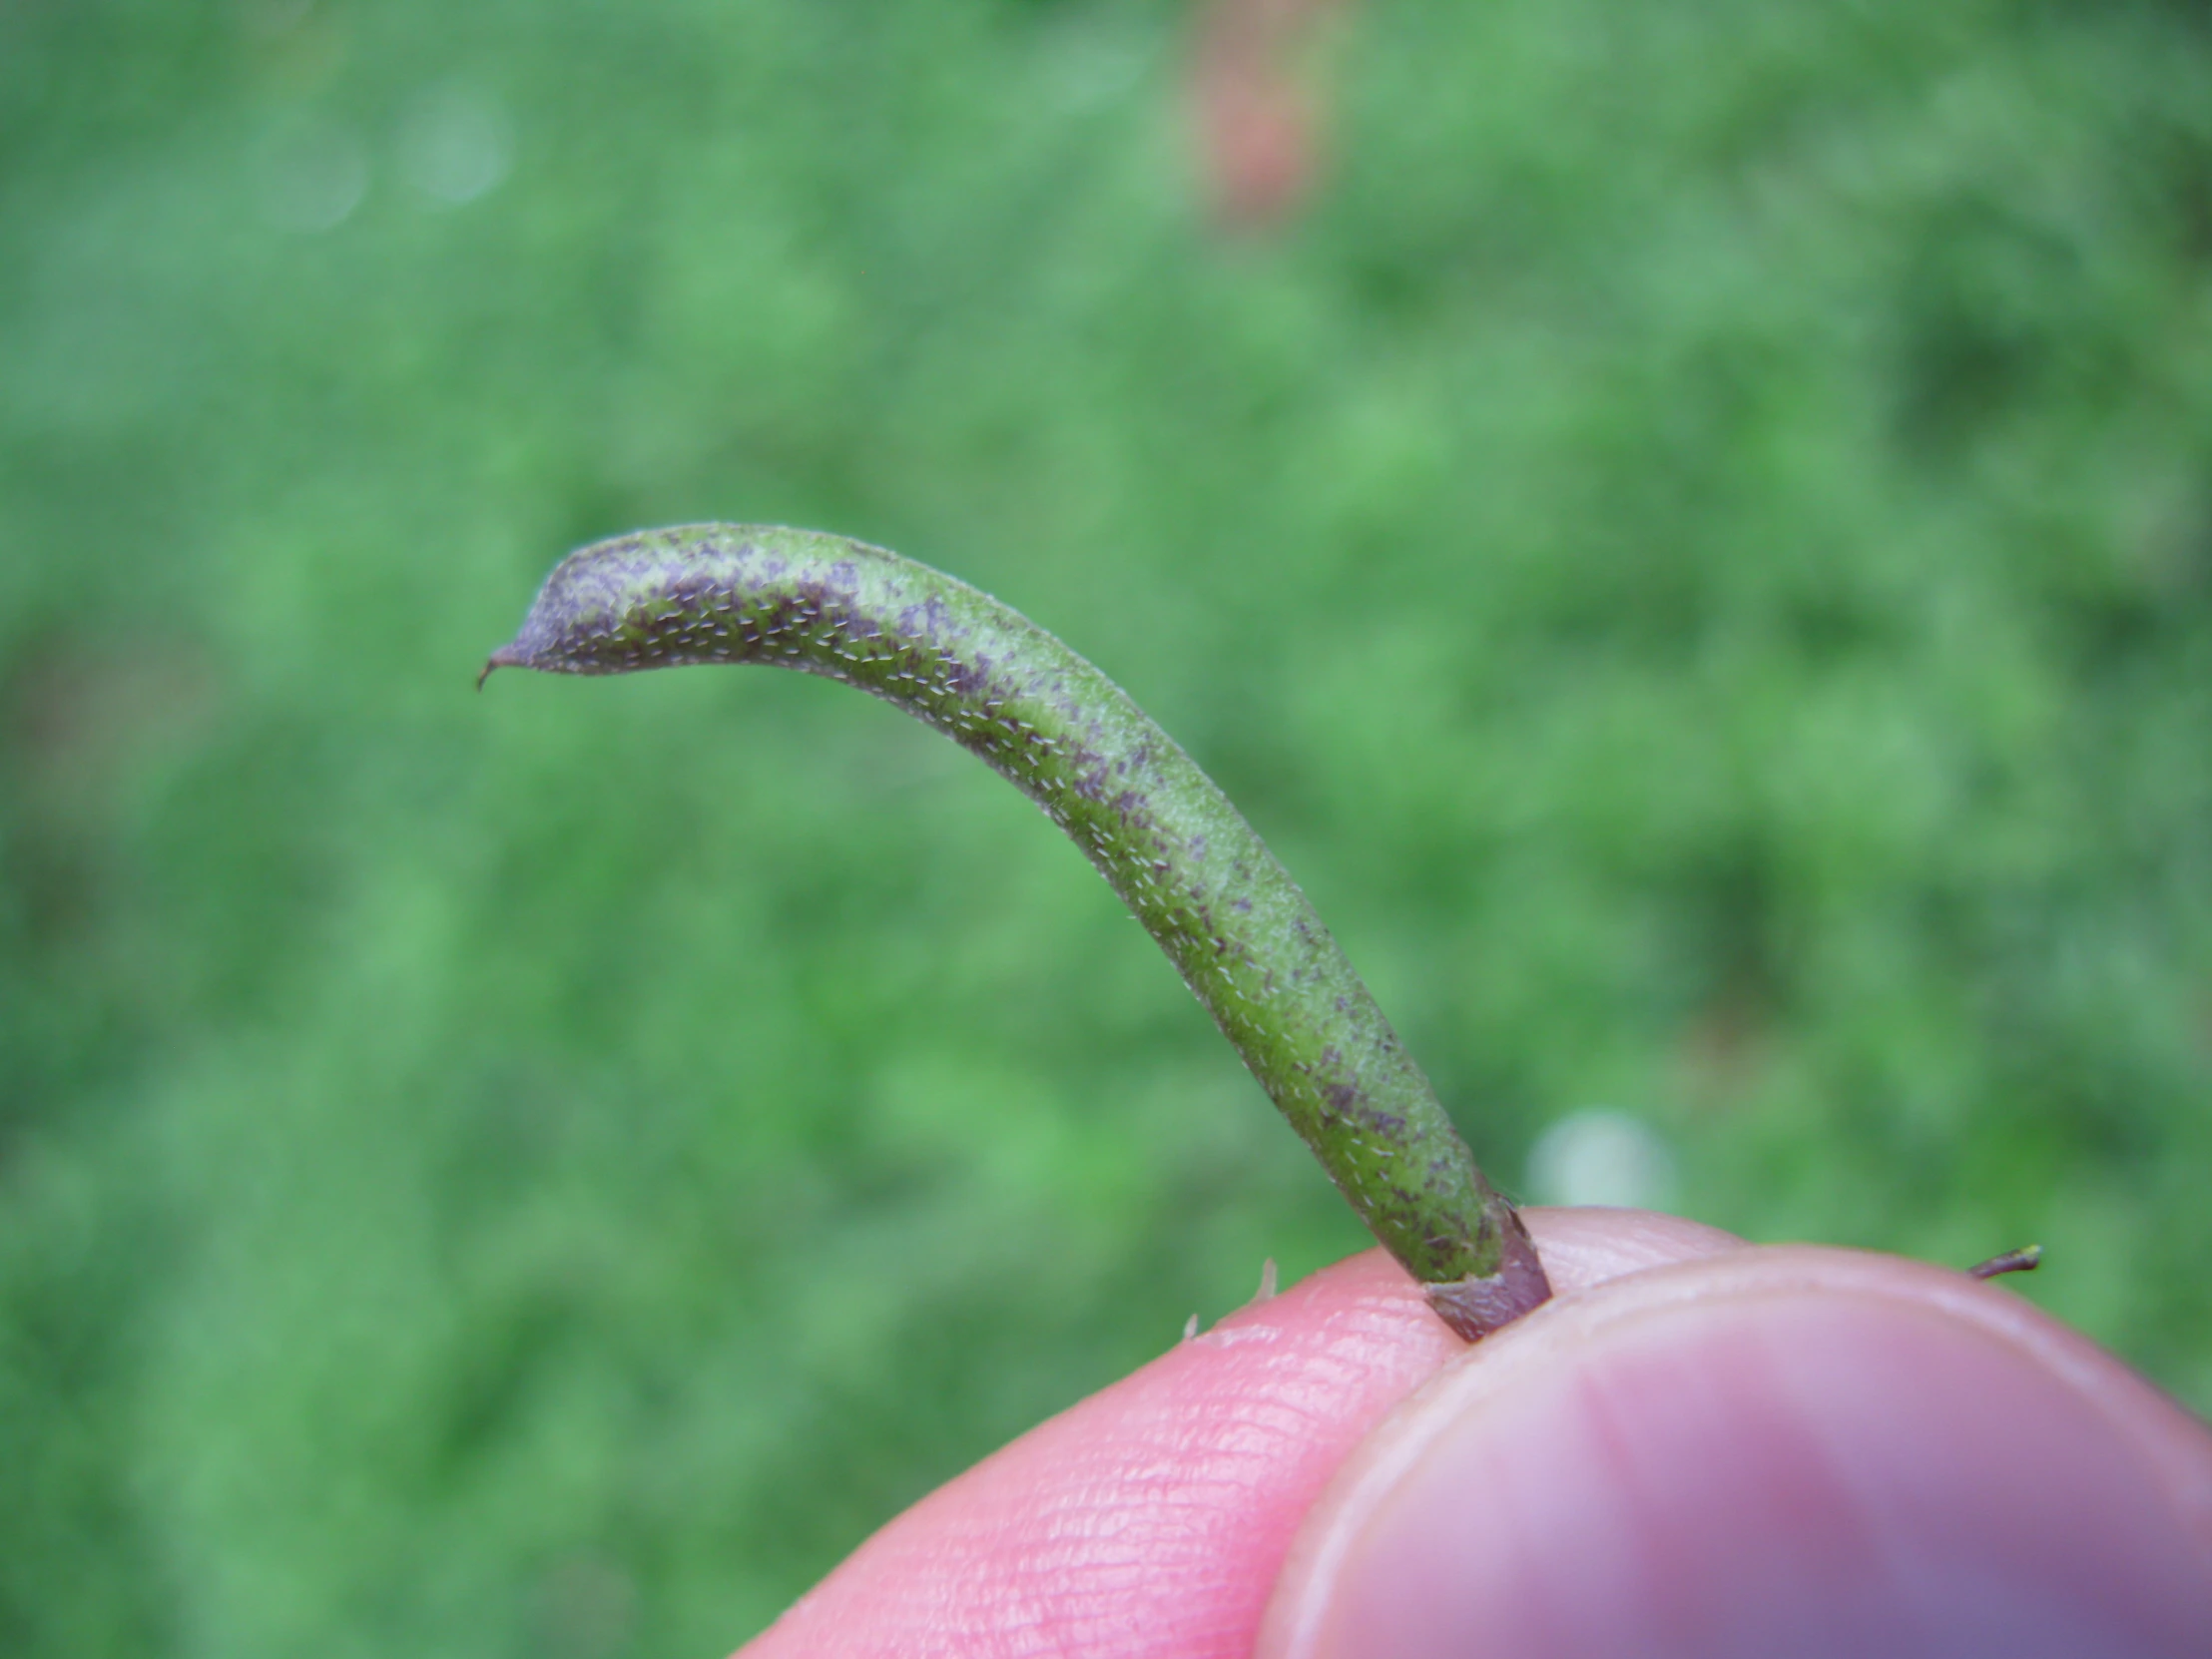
(1165, 838)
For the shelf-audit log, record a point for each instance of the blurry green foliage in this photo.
(1697, 549)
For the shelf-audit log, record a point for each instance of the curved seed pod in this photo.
(1170, 843)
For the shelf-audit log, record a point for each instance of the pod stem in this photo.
(1165, 838)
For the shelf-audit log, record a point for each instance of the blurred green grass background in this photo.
(1696, 548)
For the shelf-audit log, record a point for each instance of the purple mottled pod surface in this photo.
(1180, 856)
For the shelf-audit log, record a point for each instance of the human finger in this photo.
(1780, 1451)
(1151, 1520)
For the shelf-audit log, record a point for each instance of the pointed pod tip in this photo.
(505, 657)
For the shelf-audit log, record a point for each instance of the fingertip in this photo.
(1588, 1246)
(1766, 1450)
(1152, 1518)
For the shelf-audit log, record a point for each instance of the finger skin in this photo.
(1150, 1521)
(1801, 1451)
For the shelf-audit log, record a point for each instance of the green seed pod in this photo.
(1165, 838)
